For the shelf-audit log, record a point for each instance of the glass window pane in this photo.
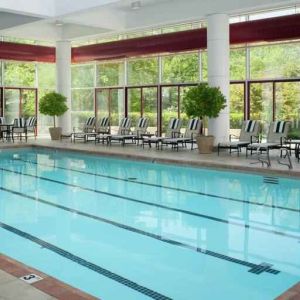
(236, 108)
(28, 103)
(143, 71)
(150, 108)
(47, 76)
(134, 104)
(169, 105)
(82, 76)
(238, 64)
(82, 106)
(110, 74)
(204, 65)
(11, 104)
(288, 105)
(102, 97)
(180, 68)
(261, 103)
(275, 61)
(116, 108)
(19, 74)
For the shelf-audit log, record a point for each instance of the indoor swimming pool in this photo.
(124, 229)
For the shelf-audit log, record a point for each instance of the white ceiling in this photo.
(35, 19)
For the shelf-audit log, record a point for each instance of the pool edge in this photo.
(49, 285)
(188, 163)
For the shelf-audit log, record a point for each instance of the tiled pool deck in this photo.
(49, 288)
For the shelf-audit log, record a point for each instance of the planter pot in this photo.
(205, 143)
(55, 133)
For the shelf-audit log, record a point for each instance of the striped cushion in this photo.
(174, 123)
(31, 122)
(142, 122)
(279, 126)
(104, 122)
(125, 122)
(250, 125)
(193, 124)
(19, 122)
(90, 121)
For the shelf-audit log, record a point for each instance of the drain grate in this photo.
(271, 180)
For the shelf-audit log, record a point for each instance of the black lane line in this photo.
(166, 187)
(102, 271)
(246, 226)
(145, 233)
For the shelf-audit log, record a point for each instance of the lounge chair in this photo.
(192, 131)
(102, 127)
(88, 127)
(124, 130)
(276, 138)
(19, 129)
(31, 123)
(135, 135)
(173, 131)
(249, 134)
(4, 129)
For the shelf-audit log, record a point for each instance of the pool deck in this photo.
(11, 287)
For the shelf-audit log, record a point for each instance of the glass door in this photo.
(19, 102)
(110, 102)
(142, 102)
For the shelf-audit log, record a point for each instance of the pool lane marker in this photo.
(102, 271)
(167, 187)
(252, 266)
(211, 218)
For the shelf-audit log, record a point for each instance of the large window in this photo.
(143, 71)
(18, 74)
(180, 68)
(82, 94)
(110, 74)
(275, 61)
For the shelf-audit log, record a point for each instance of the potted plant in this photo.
(53, 104)
(203, 102)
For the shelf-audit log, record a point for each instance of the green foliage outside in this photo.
(53, 104)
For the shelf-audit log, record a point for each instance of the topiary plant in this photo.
(53, 104)
(203, 102)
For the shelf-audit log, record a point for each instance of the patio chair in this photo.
(192, 131)
(173, 131)
(249, 134)
(31, 123)
(4, 130)
(102, 128)
(135, 135)
(88, 127)
(19, 129)
(276, 138)
(124, 130)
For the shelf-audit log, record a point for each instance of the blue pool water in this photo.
(121, 229)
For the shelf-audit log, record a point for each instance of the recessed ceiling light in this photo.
(136, 5)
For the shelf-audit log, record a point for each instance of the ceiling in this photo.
(52, 20)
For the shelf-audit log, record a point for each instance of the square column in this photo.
(218, 71)
(63, 80)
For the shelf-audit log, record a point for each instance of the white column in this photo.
(63, 80)
(218, 70)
